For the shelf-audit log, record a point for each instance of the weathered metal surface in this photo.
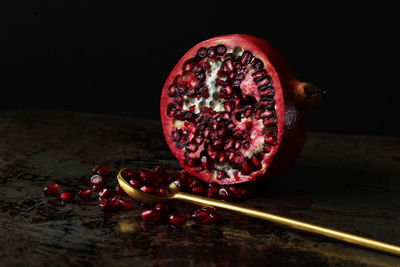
(348, 182)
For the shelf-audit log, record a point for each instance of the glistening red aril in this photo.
(67, 196)
(52, 190)
(233, 112)
(85, 194)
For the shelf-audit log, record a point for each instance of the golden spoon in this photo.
(174, 193)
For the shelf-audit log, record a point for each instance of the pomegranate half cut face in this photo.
(233, 112)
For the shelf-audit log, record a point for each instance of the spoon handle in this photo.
(325, 231)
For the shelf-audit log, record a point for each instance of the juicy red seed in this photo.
(146, 175)
(176, 135)
(97, 188)
(179, 100)
(212, 190)
(102, 170)
(172, 91)
(106, 205)
(224, 193)
(206, 163)
(187, 66)
(211, 52)
(221, 49)
(52, 190)
(238, 144)
(132, 175)
(191, 162)
(85, 194)
(147, 189)
(256, 162)
(119, 191)
(235, 192)
(246, 56)
(229, 64)
(216, 218)
(201, 216)
(162, 191)
(191, 147)
(248, 111)
(199, 190)
(247, 167)
(67, 196)
(202, 52)
(135, 183)
(177, 220)
(121, 203)
(223, 158)
(221, 175)
(229, 143)
(98, 180)
(269, 140)
(189, 116)
(162, 208)
(106, 193)
(150, 215)
(210, 210)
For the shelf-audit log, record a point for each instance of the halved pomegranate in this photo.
(233, 112)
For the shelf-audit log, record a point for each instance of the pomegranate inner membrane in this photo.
(223, 115)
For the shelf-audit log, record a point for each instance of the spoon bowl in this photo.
(139, 195)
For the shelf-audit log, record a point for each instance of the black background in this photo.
(114, 58)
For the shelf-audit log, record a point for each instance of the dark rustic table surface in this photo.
(348, 182)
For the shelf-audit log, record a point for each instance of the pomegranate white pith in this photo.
(227, 122)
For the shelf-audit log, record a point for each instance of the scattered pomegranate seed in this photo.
(177, 220)
(106, 193)
(102, 170)
(52, 190)
(151, 215)
(162, 191)
(135, 183)
(147, 189)
(216, 218)
(119, 191)
(201, 216)
(98, 180)
(162, 208)
(106, 205)
(67, 196)
(85, 194)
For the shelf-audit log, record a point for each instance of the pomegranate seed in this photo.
(85, 194)
(202, 52)
(211, 52)
(98, 180)
(135, 183)
(206, 163)
(216, 218)
(106, 205)
(162, 208)
(199, 190)
(67, 196)
(221, 175)
(106, 193)
(161, 191)
(146, 176)
(150, 215)
(210, 210)
(148, 189)
(121, 203)
(235, 192)
(52, 190)
(177, 220)
(212, 190)
(132, 175)
(201, 216)
(221, 49)
(119, 191)
(102, 170)
(247, 167)
(224, 193)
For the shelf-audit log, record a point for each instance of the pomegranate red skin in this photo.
(290, 107)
